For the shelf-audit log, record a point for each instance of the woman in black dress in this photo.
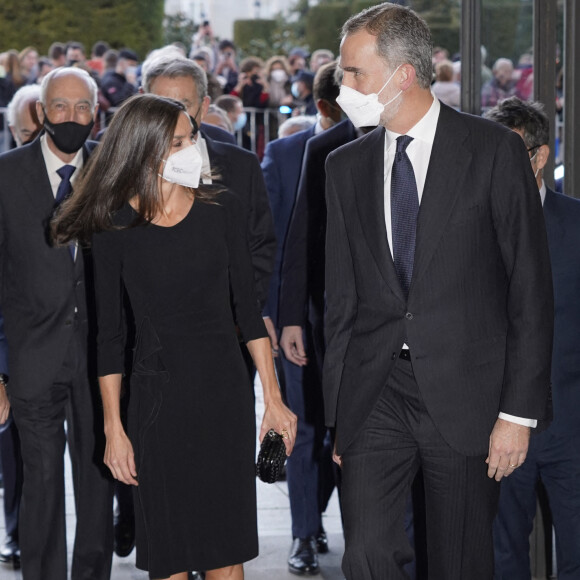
(180, 252)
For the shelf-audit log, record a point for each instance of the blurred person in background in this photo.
(218, 117)
(214, 89)
(29, 63)
(444, 87)
(253, 89)
(23, 119)
(278, 77)
(13, 70)
(57, 54)
(302, 85)
(97, 62)
(294, 125)
(75, 53)
(44, 67)
(320, 57)
(234, 109)
(501, 86)
(297, 60)
(226, 69)
(119, 84)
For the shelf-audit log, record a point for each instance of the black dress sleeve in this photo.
(245, 301)
(107, 263)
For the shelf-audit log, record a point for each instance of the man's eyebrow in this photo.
(351, 69)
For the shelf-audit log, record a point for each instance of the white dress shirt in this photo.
(53, 164)
(419, 153)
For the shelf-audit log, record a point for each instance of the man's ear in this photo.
(40, 112)
(408, 75)
(205, 103)
(542, 157)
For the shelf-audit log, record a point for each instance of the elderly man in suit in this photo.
(309, 465)
(439, 307)
(47, 317)
(553, 455)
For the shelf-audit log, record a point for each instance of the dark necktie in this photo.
(63, 191)
(65, 187)
(404, 211)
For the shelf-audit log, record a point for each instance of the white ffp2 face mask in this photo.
(364, 110)
(184, 167)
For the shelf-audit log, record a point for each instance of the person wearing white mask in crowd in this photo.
(278, 75)
(179, 248)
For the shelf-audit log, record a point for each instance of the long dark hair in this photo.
(125, 165)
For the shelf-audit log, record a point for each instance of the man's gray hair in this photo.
(403, 37)
(69, 69)
(23, 95)
(173, 66)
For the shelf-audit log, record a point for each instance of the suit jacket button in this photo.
(394, 356)
(409, 316)
(68, 322)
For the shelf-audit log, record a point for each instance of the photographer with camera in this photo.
(226, 69)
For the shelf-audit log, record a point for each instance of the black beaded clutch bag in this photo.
(271, 457)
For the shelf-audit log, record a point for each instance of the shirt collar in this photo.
(424, 130)
(543, 192)
(53, 163)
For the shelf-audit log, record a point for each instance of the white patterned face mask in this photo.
(183, 167)
(364, 110)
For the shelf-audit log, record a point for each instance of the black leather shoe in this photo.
(303, 559)
(322, 542)
(10, 552)
(124, 537)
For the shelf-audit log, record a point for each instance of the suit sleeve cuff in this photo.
(519, 420)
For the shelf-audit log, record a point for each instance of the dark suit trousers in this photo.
(556, 460)
(309, 469)
(40, 421)
(379, 466)
(12, 474)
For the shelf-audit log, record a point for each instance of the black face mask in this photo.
(69, 137)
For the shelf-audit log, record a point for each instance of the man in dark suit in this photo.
(553, 455)
(24, 126)
(47, 324)
(307, 466)
(439, 320)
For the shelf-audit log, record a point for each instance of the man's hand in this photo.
(272, 335)
(293, 345)
(508, 446)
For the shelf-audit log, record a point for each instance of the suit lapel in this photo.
(370, 192)
(450, 160)
(35, 181)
